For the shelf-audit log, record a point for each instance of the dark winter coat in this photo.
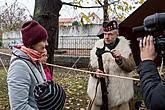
(152, 88)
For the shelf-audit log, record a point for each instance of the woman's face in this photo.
(44, 58)
(40, 46)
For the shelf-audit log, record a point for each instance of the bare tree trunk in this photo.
(105, 10)
(46, 12)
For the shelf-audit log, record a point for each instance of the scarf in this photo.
(47, 72)
(33, 54)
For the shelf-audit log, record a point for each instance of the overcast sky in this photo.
(29, 4)
(66, 11)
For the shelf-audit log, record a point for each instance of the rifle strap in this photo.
(103, 86)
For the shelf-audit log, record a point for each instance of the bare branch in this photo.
(12, 17)
(78, 6)
(100, 3)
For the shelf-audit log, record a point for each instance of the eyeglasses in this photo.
(45, 55)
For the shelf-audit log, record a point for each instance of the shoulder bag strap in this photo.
(29, 63)
(32, 71)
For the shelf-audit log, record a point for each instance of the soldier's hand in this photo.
(99, 73)
(116, 54)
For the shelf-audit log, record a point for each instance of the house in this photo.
(95, 19)
(91, 18)
(136, 19)
(66, 21)
(11, 38)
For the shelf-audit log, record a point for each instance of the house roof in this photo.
(136, 19)
(147, 8)
(66, 20)
(93, 14)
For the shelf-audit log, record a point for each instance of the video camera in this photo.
(154, 23)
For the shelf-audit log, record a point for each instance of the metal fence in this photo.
(68, 45)
(76, 45)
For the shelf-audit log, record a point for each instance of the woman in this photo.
(25, 70)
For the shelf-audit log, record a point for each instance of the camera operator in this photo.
(151, 86)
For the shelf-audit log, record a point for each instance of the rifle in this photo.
(99, 53)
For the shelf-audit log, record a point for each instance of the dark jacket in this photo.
(151, 86)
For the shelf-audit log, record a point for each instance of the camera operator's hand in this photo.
(147, 48)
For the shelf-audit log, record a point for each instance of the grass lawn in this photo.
(74, 83)
(4, 104)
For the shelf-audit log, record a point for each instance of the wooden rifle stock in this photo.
(104, 106)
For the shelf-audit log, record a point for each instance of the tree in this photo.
(46, 12)
(118, 8)
(105, 11)
(13, 16)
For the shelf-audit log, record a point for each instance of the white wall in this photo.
(69, 37)
(10, 39)
(79, 30)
